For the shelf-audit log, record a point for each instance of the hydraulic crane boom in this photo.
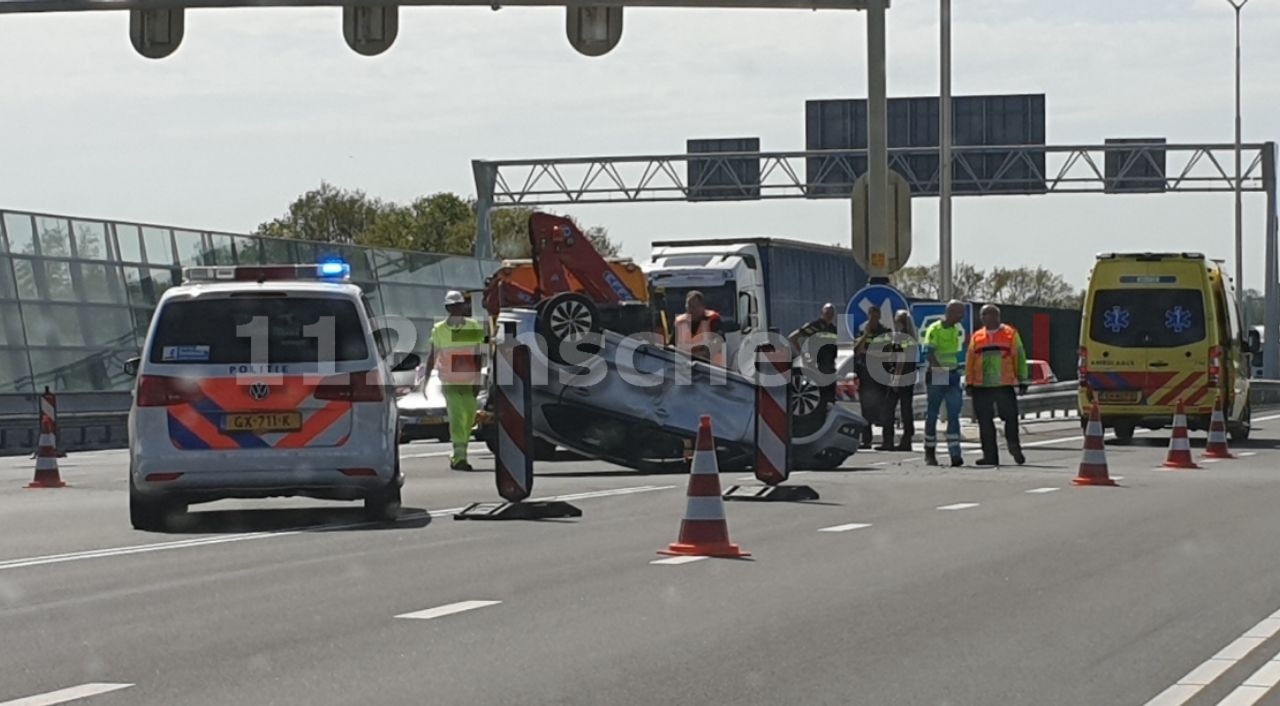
(559, 248)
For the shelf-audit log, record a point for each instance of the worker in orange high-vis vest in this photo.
(700, 330)
(457, 355)
(995, 367)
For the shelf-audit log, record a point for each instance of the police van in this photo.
(1159, 329)
(259, 382)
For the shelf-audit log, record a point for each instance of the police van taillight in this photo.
(165, 391)
(351, 387)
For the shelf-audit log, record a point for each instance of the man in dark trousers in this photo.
(996, 372)
(816, 343)
(873, 385)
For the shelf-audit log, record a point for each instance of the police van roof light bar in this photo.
(330, 271)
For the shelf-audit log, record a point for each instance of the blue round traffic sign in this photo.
(886, 298)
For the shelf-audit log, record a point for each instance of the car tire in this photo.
(151, 514)
(570, 318)
(1240, 431)
(807, 409)
(1124, 433)
(383, 505)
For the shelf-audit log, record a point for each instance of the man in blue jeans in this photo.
(942, 342)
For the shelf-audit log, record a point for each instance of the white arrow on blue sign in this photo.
(888, 299)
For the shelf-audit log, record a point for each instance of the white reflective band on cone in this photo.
(1095, 457)
(47, 440)
(1180, 443)
(704, 508)
(704, 463)
(1095, 429)
(46, 463)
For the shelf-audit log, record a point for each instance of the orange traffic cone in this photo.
(1093, 466)
(704, 530)
(1217, 446)
(47, 475)
(1180, 446)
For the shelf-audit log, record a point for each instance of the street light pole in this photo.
(944, 157)
(1238, 5)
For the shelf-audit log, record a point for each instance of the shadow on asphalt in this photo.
(310, 519)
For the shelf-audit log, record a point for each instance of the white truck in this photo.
(756, 284)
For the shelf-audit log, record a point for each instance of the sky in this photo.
(260, 105)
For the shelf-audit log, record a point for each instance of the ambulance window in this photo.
(289, 329)
(1147, 318)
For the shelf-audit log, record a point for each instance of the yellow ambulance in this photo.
(1159, 328)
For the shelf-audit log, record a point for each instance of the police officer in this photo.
(816, 343)
(995, 366)
(457, 345)
(942, 342)
(873, 384)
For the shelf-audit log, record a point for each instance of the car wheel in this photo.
(568, 319)
(383, 505)
(151, 513)
(1240, 431)
(443, 438)
(807, 408)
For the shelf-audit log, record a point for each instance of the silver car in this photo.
(422, 410)
(597, 409)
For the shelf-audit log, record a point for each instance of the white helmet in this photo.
(454, 297)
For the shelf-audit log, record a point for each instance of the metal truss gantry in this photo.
(1136, 168)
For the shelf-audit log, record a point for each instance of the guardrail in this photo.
(98, 420)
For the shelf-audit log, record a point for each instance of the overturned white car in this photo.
(635, 402)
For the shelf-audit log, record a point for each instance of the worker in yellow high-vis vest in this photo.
(457, 346)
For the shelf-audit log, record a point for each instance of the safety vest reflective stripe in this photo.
(1003, 341)
(705, 345)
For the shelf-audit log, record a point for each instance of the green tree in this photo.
(440, 223)
(327, 215)
(1022, 286)
(924, 281)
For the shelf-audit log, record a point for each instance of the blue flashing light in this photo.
(335, 268)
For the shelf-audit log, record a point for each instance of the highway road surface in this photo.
(902, 585)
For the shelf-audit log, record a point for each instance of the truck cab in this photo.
(727, 276)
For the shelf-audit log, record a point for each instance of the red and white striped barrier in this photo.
(1179, 445)
(513, 457)
(514, 410)
(773, 423)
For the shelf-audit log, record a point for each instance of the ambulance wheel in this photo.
(1240, 431)
(1124, 432)
(383, 504)
(568, 319)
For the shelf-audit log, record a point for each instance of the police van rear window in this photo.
(1147, 318)
(284, 329)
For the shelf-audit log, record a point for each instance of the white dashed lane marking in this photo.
(958, 506)
(1202, 676)
(63, 696)
(677, 560)
(450, 609)
(844, 528)
(1037, 491)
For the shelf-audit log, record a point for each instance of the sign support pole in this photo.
(944, 160)
(877, 142)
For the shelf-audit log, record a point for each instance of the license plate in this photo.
(1120, 397)
(262, 422)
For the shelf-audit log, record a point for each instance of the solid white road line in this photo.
(62, 696)
(226, 539)
(473, 446)
(450, 609)
(958, 506)
(844, 528)
(1246, 454)
(1035, 491)
(1197, 679)
(677, 560)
